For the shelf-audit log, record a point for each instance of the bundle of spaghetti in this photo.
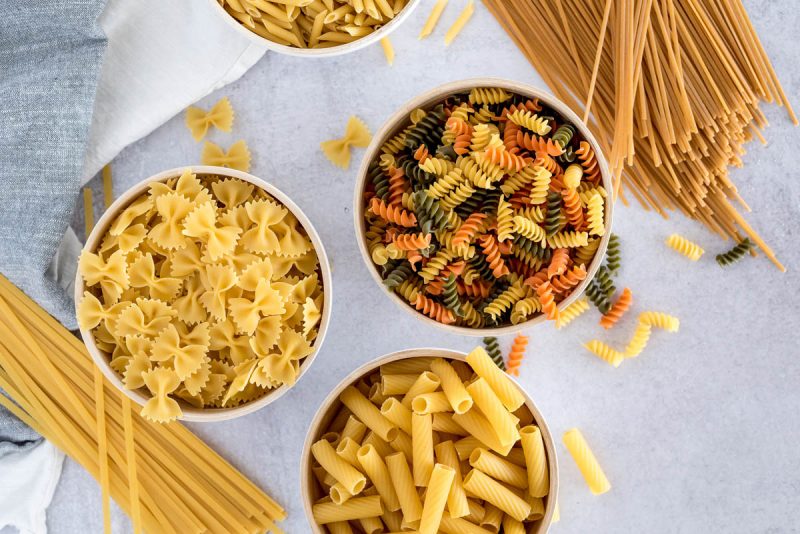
(177, 483)
(671, 89)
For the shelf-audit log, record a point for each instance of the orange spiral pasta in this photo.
(462, 143)
(545, 160)
(469, 228)
(569, 279)
(572, 205)
(537, 143)
(539, 278)
(617, 310)
(477, 289)
(510, 134)
(412, 241)
(505, 159)
(458, 126)
(558, 263)
(545, 294)
(588, 162)
(434, 310)
(493, 256)
(397, 185)
(392, 213)
(421, 154)
(516, 354)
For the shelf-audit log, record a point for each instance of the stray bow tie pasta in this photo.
(485, 210)
(204, 289)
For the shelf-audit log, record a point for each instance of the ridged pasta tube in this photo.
(441, 480)
(403, 483)
(493, 492)
(535, 461)
(499, 468)
(356, 508)
(502, 421)
(362, 408)
(508, 392)
(587, 463)
(352, 480)
(457, 504)
(422, 448)
(376, 470)
(457, 395)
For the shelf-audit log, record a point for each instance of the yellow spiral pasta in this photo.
(517, 181)
(685, 247)
(528, 228)
(639, 340)
(530, 121)
(481, 136)
(572, 176)
(504, 301)
(457, 196)
(568, 239)
(586, 461)
(605, 353)
(525, 308)
(541, 185)
(438, 166)
(660, 320)
(488, 95)
(594, 215)
(474, 174)
(472, 317)
(572, 312)
(505, 223)
(435, 265)
(446, 183)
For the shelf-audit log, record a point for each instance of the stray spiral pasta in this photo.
(310, 24)
(479, 179)
(217, 301)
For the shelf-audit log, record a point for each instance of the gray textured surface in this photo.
(698, 434)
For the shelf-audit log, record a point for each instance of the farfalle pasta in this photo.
(205, 291)
(491, 202)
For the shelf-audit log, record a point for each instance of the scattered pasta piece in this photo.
(237, 157)
(605, 353)
(338, 150)
(660, 320)
(572, 312)
(460, 22)
(586, 461)
(735, 254)
(639, 340)
(685, 247)
(493, 350)
(218, 305)
(516, 354)
(433, 18)
(220, 116)
(388, 50)
(617, 310)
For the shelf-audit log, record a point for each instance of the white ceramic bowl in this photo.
(331, 404)
(398, 121)
(342, 49)
(190, 413)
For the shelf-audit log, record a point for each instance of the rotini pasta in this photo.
(516, 354)
(685, 247)
(477, 187)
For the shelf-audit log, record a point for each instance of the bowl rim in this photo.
(423, 352)
(190, 413)
(394, 124)
(338, 50)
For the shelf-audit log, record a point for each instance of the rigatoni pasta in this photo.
(439, 471)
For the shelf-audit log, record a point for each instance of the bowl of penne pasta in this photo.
(483, 205)
(315, 28)
(203, 293)
(429, 440)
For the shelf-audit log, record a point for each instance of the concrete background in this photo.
(699, 433)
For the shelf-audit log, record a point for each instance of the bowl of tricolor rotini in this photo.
(315, 28)
(429, 440)
(203, 293)
(483, 205)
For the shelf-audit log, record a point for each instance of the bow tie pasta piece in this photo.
(237, 156)
(224, 339)
(304, 288)
(202, 224)
(199, 335)
(338, 150)
(261, 238)
(133, 375)
(311, 317)
(220, 116)
(236, 217)
(173, 209)
(218, 281)
(96, 270)
(186, 261)
(255, 272)
(246, 313)
(213, 388)
(160, 408)
(140, 207)
(142, 275)
(187, 185)
(283, 367)
(91, 311)
(266, 335)
(130, 238)
(195, 382)
(232, 192)
(145, 316)
(291, 240)
(243, 372)
(185, 358)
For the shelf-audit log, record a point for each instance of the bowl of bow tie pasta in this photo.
(483, 205)
(203, 293)
(315, 28)
(429, 440)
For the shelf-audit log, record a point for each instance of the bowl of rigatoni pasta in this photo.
(429, 440)
(315, 28)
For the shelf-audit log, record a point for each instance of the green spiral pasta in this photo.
(493, 350)
(735, 254)
(613, 254)
(601, 290)
(450, 296)
(398, 275)
(564, 135)
(552, 220)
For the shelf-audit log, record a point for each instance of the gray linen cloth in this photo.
(50, 57)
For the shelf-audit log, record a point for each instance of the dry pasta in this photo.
(459, 23)
(338, 150)
(388, 50)
(209, 305)
(586, 461)
(220, 116)
(488, 217)
(433, 18)
(436, 472)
